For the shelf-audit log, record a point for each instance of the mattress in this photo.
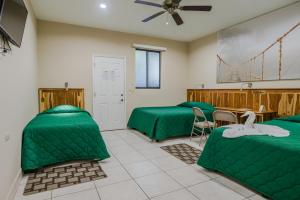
(64, 133)
(268, 165)
(161, 123)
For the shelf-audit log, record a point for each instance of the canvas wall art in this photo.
(262, 49)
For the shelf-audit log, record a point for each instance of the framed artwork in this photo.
(265, 48)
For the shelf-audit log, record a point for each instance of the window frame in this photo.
(147, 67)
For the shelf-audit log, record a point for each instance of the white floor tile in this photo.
(214, 191)
(143, 146)
(127, 190)
(141, 169)
(245, 192)
(109, 162)
(130, 158)
(114, 175)
(157, 184)
(177, 195)
(140, 137)
(129, 134)
(194, 143)
(73, 189)
(109, 136)
(115, 143)
(122, 132)
(133, 139)
(168, 163)
(209, 173)
(121, 150)
(144, 160)
(188, 176)
(38, 196)
(85, 195)
(153, 153)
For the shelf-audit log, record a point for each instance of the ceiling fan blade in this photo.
(177, 18)
(196, 8)
(148, 3)
(153, 16)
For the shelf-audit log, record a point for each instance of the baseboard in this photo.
(14, 186)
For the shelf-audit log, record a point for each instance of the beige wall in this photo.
(18, 86)
(202, 64)
(65, 55)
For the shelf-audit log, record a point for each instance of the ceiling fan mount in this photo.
(172, 6)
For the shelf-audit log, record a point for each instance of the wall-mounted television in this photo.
(13, 14)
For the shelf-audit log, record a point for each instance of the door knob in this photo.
(122, 100)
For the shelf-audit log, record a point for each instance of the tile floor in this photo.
(139, 170)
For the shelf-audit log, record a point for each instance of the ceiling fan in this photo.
(172, 6)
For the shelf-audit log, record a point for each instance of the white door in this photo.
(109, 96)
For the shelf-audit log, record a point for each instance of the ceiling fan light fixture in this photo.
(103, 5)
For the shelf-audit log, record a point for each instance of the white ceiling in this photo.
(126, 16)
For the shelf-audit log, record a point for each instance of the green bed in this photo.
(160, 123)
(268, 165)
(63, 133)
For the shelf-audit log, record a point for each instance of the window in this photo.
(147, 66)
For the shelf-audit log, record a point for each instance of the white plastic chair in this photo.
(200, 124)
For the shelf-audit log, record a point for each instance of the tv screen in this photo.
(13, 16)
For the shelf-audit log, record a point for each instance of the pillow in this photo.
(201, 105)
(63, 109)
(295, 118)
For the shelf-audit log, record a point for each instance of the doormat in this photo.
(51, 178)
(184, 152)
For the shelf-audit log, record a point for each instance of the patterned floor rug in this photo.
(184, 152)
(63, 176)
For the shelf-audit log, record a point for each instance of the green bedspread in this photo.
(160, 123)
(269, 165)
(61, 134)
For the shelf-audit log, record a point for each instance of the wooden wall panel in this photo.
(284, 101)
(50, 97)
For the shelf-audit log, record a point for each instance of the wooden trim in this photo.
(284, 101)
(234, 89)
(50, 97)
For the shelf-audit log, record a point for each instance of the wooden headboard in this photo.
(284, 101)
(50, 97)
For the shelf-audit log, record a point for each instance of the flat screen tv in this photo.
(13, 14)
